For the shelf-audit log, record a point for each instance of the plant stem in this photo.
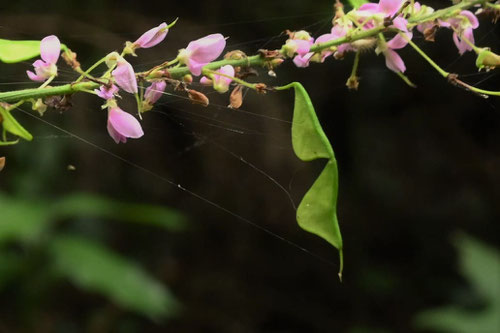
(87, 72)
(255, 60)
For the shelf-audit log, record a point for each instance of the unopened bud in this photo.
(487, 59)
(301, 34)
(39, 106)
(276, 62)
(236, 97)
(188, 78)
(2, 163)
(197, 97)
(235, 55)
(111, 59)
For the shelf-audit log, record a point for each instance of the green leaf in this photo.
(12, 51)
(92, 205)
(317, 212)
(357, 3)
(94, 268)
(20, 220)
(11, 125)
(480, 264)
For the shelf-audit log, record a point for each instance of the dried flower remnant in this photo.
(197, 97)
(45, 68)
(236, 97)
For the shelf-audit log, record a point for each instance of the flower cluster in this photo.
(388, 15)
(383, 27)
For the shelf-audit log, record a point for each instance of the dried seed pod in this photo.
(70, 59)
(236, 97)
(2, 163)
(197, 97)
(352, 82)
(261, 88)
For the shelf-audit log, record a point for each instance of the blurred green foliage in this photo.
(480, 265)
(87, 264)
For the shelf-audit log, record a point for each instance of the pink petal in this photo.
(303, 46)
(195, 67)
(206, 81)
(393, 61)
(105, 92)
(155, 91)
(35, 77)
(325, 38)
(206, 49)
(369, 7)
(50, 48)
(469, 34)
(389, 7)
(462, 46)
(114, 134)
(125, 77)
(302, 61)
(226, 70)
(153, 36)
(400, 23)
(471, 17)
(124, 124)
(221, 83)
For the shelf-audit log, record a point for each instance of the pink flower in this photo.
(50, 48)
(386, 7)
(463, 26)
(392, 60)
(220, 83)
(125, 77)
(154, 92)
(152, 37)
(299, 43)
(202, 51)
(122, 125)
(107, 92)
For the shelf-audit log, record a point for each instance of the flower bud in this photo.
(188, 78)
(39, 106)
(487, 59)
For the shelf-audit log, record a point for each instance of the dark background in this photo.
(416, 166)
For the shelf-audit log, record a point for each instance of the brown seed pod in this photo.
(236, 97)
(261, 88)
(2, 163)
(197, 97)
